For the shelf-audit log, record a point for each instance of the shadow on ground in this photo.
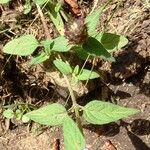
(134, 130)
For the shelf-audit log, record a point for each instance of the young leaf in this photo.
(123, 42)
(27, 7)
(74, 81)
(9, 114)
(48, 44)
(18, 114)
(4, 1)
(40, 2)
(112, 41)
(49, 115)
(39, 59)
(76, 70)
(56, 17)
(92, 20)
(73, 138)
(63, 67)
(95, 48)
(25, 119)
(23, 46)
(98, 112)
(87, 74)
(58, 6)
(61, 44)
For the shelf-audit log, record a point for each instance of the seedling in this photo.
(17, 111)
(95, 45)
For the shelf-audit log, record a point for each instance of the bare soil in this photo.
(128, 80)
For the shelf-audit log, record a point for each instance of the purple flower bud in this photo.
(76, 31)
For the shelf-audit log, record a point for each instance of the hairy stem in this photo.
(74, 104)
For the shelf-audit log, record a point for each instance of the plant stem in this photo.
(47, 34)
(74, 104)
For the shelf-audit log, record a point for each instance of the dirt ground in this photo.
(128, 80)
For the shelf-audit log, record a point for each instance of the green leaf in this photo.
(98, 36)
(95, 48)
(112, 41)
(123, 42)
(63, 67)
(61, 44)
(25, 119)
(22, 46)
(40, 2)
(73, 138)
(4, 1)
(39, 59)
(76, 70)
(49, 115)
(18, 114)
(56, 17)
(74, 79)
(92, 20)
(98, 112)
(9, 114)
(27, 7)
(57, 7)
(81, 53)
(48, 44)
(87, 74)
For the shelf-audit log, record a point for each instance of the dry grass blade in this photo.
(109, 146)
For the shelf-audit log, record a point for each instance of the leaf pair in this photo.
(59, 44)
(108, 40)
(96, 112)
(27, 44)
(17, 114)
(99, 44)
(102, 45)
(56, 114)
(65, 68)
(96, 49)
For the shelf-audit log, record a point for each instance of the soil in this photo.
(128, 80)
